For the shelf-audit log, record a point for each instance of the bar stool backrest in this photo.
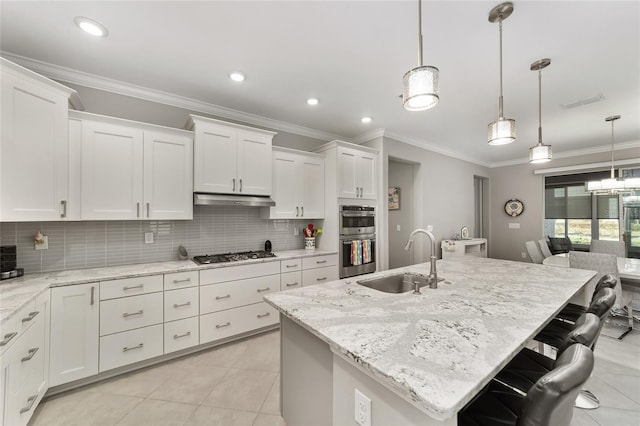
(585, 332)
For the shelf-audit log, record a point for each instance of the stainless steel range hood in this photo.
(202, 199)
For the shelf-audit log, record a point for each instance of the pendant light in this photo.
(503, 130)
(613, 185)
(540, 153)
(420, 84)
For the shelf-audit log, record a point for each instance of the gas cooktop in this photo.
(232, 257)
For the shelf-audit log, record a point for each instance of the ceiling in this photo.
(351, 55)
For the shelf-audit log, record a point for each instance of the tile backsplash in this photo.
(75, 245)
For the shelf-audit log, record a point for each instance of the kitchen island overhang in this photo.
(438, 349)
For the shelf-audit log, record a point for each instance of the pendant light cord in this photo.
(539, 107)
(613, 172)
(500, 114)
(420, 32)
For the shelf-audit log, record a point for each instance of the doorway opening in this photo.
(481, 194)
(401, 214)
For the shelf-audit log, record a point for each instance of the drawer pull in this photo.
(30, 355)
(140, 312)
(178, 305)
(131, 287)
(321, 261)
(93, 293)
(226, 324)
(292, 266)
(260, 290)
(140, 346)
(185, 280)
(264, 315)
(177, 336)
(292, 284)
(223, 297)
(7, 338)
(30, 402)
(31, 316)
(321, 279)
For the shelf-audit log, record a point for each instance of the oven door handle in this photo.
(357, 214)
(346, 239)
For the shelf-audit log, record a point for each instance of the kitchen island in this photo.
(419, 358)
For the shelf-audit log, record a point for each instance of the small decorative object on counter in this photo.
(464, 233)
(309, 243)
(182, 253)
(310, 234)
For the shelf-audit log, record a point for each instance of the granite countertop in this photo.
(16, 292)
(437, 349)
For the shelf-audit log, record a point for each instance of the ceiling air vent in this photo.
(583, 101)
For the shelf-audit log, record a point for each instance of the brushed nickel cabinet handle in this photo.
(178, 305)
(140, 312)
(147, 209)
(321, 261)
(30, 354)
(292, 284)
(132, 287)
(93, 292)
(234, 184)
(297, 211)
(30, 402)
(137, 209)
(264, 315)
(260, 290)
(178, 336)
(31, 316)
(240, 185)
(302, 210)
(226, 324)
(64, 208)
(7, 338)
(321, 279)
(228, 296)
(126, 349)
(186, 280)
(291, 266)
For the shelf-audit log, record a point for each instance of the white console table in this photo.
(471, 247)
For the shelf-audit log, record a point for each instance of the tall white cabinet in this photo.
(356, 173)
(230, 158)
(298, 185)
(33, 146)
(131, 170)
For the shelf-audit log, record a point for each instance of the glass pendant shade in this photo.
(502, 131)
(540, 154)
(420, 88)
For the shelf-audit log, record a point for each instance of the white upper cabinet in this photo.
(298, 185)
(230, 158)
(132, 170)
(33, 146)
(356, 173)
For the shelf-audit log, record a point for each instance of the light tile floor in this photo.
(239, 384)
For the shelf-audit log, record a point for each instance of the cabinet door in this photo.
(286, 186)
(347, 177)
(366, 166)
(254, 163)
(168, 188)
(312, 194)
(74, 333)
(215, 159)
(34, 151)
(111, 171)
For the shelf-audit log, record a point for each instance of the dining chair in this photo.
(544, 248)
(610, 247)
(534, 251)
(605, 264)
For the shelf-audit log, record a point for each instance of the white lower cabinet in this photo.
(216, 297)
(181, 334)
(127, 313)
(131, 346)
(74, 332)
(179, 304)
(219, 325)
(319, 275)
(289, 280)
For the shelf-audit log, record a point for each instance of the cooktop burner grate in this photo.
(232, 257)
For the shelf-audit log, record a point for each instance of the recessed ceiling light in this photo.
(90, 26)
(312, 101)
(366, 119)
(236, 76)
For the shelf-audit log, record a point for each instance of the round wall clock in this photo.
(514, 207)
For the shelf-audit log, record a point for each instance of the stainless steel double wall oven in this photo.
(357, 240)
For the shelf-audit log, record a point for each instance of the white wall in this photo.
(401, 175)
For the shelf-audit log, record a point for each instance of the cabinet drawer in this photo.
(130, 287)
(132, 346)
(232, 294)
(290, 265)
(231, 322)
(180, 280)
(180, 334)
(319, 275)
(128, 313)
(233, 273)
(319, 261)
(182, 303)
(13, 328)
(289, 280)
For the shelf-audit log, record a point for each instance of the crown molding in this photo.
(115, 86)
(573, 153)
(366, 137)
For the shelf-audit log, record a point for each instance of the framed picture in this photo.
(394, 198)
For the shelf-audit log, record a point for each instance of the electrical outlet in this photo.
(362, 409)
(296, 231)
(43, 244)
(430, 228)
(148, 237)
(398, 228)
(524, 255)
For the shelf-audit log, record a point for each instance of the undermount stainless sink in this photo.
(400, 283)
